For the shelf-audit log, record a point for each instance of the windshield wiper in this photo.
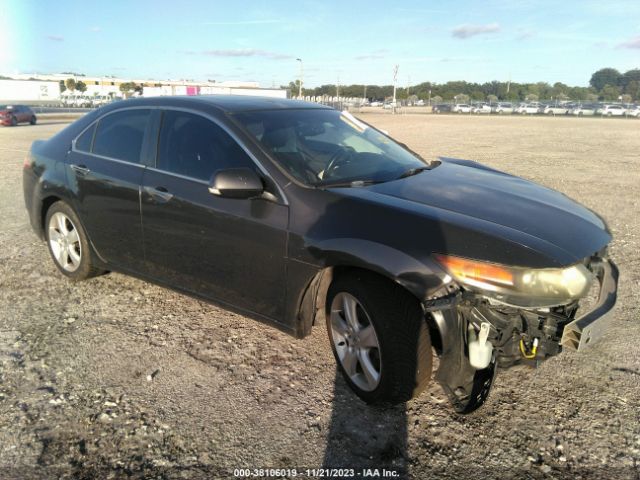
(352, 183)
(413, 171)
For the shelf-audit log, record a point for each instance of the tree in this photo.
(630, 76)
(129, 87)
(626, 98)
(605, 76)
(492, 98)
(63, 87)
(437, 99)
(531, 97)
(461, 98)
(633, 89)
(591, 97)
(81, 86)
(71, 84)
(610, 93)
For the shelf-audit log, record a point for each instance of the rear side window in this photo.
(120, 135)
(83, 143)
(193, 146)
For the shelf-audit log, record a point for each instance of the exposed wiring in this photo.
(534, 349)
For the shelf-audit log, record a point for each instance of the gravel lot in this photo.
(115, 377)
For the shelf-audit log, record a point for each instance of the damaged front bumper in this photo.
(516, 334)
(589, 327)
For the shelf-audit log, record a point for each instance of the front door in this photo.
(229, 250)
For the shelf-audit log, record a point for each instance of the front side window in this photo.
(120, 135)
(325, 147)
(194, 146)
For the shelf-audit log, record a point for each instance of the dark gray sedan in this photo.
(297, 214)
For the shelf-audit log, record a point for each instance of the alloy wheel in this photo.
(64, 242)
(355, 341)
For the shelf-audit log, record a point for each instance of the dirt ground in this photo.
(115, 377)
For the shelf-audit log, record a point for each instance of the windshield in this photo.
(329, 148)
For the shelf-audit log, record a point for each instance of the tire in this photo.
(70, 251)
(14, 121)
(403, 357)
(33, 120)
(609, 114)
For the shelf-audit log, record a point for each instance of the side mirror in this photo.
(236, 183)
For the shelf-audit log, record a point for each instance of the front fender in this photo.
(422, 277)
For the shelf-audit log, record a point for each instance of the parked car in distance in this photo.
(613, 111)
(99, 100)
(12, 115)
(442, 108)
(482, 108)
(633, 111)
(200, 195)
(529, 108)
(555, 110)
(462, 108)
(376, 104)
(502, 108)
(584, 110)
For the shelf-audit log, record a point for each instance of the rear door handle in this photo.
(81, 170)
(160, 194)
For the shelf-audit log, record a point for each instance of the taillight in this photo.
(27, 161)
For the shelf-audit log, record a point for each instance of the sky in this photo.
(350, 42)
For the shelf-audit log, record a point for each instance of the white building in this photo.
(39, 87)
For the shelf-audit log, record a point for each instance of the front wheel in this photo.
(379, 338)
(68, 243)
(33, 120)
(14, 121)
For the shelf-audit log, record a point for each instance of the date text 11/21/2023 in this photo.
(315, 473)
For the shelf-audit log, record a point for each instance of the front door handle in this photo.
(81, 170)
(159, 194)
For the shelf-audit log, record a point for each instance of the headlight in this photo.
(523, 287)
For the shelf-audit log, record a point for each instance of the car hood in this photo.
(477, 191)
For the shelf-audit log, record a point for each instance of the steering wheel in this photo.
(341, 157)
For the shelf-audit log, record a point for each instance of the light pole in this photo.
(395, 78)
(301, 76)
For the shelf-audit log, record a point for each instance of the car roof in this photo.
(226, 103)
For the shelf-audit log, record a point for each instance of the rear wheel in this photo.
(14, 121)
(68, 243)
(379, 338)
(33, 120)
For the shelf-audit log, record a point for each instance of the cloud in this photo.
(631, 43)
(375, 55)
(247, 52)
(371, 56)
(55, 38)
(468, 31)
(96, 29)
(524, 34)
(244, 22)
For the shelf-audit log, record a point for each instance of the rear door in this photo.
(229, 250)
(105, 169)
